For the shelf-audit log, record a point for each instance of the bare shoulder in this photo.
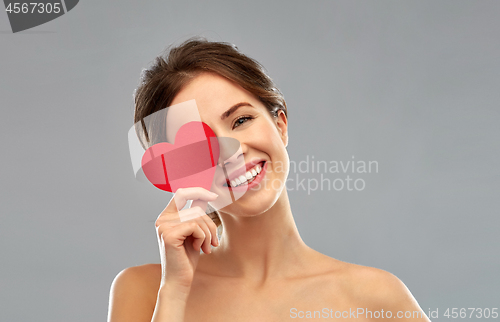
(373, 283)
(133, 293)
(140, 279)
(374, 288)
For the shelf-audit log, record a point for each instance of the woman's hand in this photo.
(181, 234)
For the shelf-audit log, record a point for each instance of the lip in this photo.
(258, 178)
(249, 165)
(241, 171)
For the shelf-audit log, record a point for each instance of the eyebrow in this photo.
(233, 108)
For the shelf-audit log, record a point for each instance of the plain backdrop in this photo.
(413, 85)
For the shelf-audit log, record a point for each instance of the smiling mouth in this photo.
(246, 178)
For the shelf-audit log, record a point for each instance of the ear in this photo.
(282, 126)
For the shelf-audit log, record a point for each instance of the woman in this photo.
(261, 270)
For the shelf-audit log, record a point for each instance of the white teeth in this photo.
(249, 175)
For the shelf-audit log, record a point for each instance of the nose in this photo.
(230, 150)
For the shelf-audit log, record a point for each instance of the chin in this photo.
(253, 205)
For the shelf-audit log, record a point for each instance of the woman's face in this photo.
(263, 140)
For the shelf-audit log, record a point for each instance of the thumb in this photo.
(200, 203)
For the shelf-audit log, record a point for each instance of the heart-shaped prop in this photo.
(190, 162)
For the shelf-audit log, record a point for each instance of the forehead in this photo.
(214, 94)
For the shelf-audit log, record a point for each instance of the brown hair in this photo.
(178, 65)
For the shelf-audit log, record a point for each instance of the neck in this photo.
(262, 246)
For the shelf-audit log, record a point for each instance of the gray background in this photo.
(413, 85)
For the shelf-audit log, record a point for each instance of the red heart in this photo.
(190, 162)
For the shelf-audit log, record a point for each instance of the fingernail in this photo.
(214, 194)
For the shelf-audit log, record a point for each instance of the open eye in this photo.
(242, 119)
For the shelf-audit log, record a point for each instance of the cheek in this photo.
(266, 133)
(266, 138)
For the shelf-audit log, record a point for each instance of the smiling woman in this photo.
(261, 270)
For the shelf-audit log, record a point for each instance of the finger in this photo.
(213, 229)
(200, 203)
(176, 237)
(206, 246)
(197, 234)
(182, 195)
(198, 213)
(208, 225)
(190, 214)
(199, 237)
